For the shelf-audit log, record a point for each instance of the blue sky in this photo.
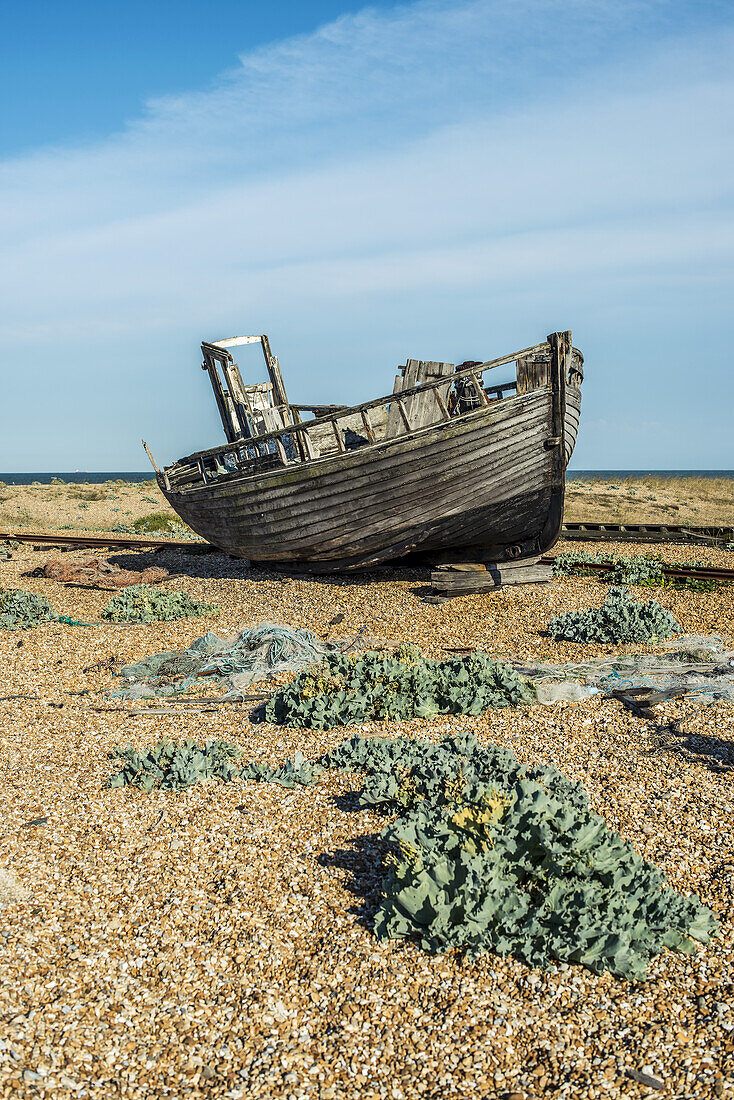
(439, 180)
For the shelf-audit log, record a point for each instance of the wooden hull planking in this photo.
(485, 480)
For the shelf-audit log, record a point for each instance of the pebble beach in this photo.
(217, 942)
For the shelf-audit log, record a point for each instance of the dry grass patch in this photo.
(653, 498)
(92, 507)
(80, 492)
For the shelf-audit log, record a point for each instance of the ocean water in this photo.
(581, 475)
(96, 477)
(78, 477)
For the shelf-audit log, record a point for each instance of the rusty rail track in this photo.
(115, 542)
(596, 532)
(673, 572)
(128, 542)
(647, 532)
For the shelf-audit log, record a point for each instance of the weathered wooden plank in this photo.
(449, 462)
(320, 410)
(455, 583)
(420, 409)
(572, 420)
(367, 425)
(213, 358)
(271, 362)
(532, 373)
(481, 567)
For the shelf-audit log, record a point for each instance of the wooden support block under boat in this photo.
(465, 578)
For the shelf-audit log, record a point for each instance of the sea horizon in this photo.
(98, 477)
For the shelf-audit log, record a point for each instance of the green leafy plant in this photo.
(141, 603)
(692, 584)
(644, 571)
(297, 772)
(171, 767)
(619, 619)
(20, 610)
(625, 570)
(7, 546)
(351, 689)
(515, 862)
(488, 855)
(156, 521)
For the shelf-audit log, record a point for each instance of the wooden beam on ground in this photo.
(464, 578)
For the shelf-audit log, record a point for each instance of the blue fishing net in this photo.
(233, 663)
(702, 664)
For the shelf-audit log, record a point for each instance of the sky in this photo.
(445, 179)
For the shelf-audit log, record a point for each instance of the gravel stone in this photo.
(217, 942)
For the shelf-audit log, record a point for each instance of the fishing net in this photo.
(703, 664)
(232, 662)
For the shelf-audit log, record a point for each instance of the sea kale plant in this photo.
(156, 521)
(625, 569)
(487, 855)
(359, 687)
(20, 610)
(619, 619)
(644, 571)
(141, 603)
(484, 853)
(172, 766)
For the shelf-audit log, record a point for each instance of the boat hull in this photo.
(485, 481)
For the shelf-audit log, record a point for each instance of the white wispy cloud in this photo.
(379, 178)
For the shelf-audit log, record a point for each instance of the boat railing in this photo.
(296, 442)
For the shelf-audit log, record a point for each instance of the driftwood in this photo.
(190, 705)
(641, 700)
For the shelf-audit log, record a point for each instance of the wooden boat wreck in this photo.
(447, 466)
